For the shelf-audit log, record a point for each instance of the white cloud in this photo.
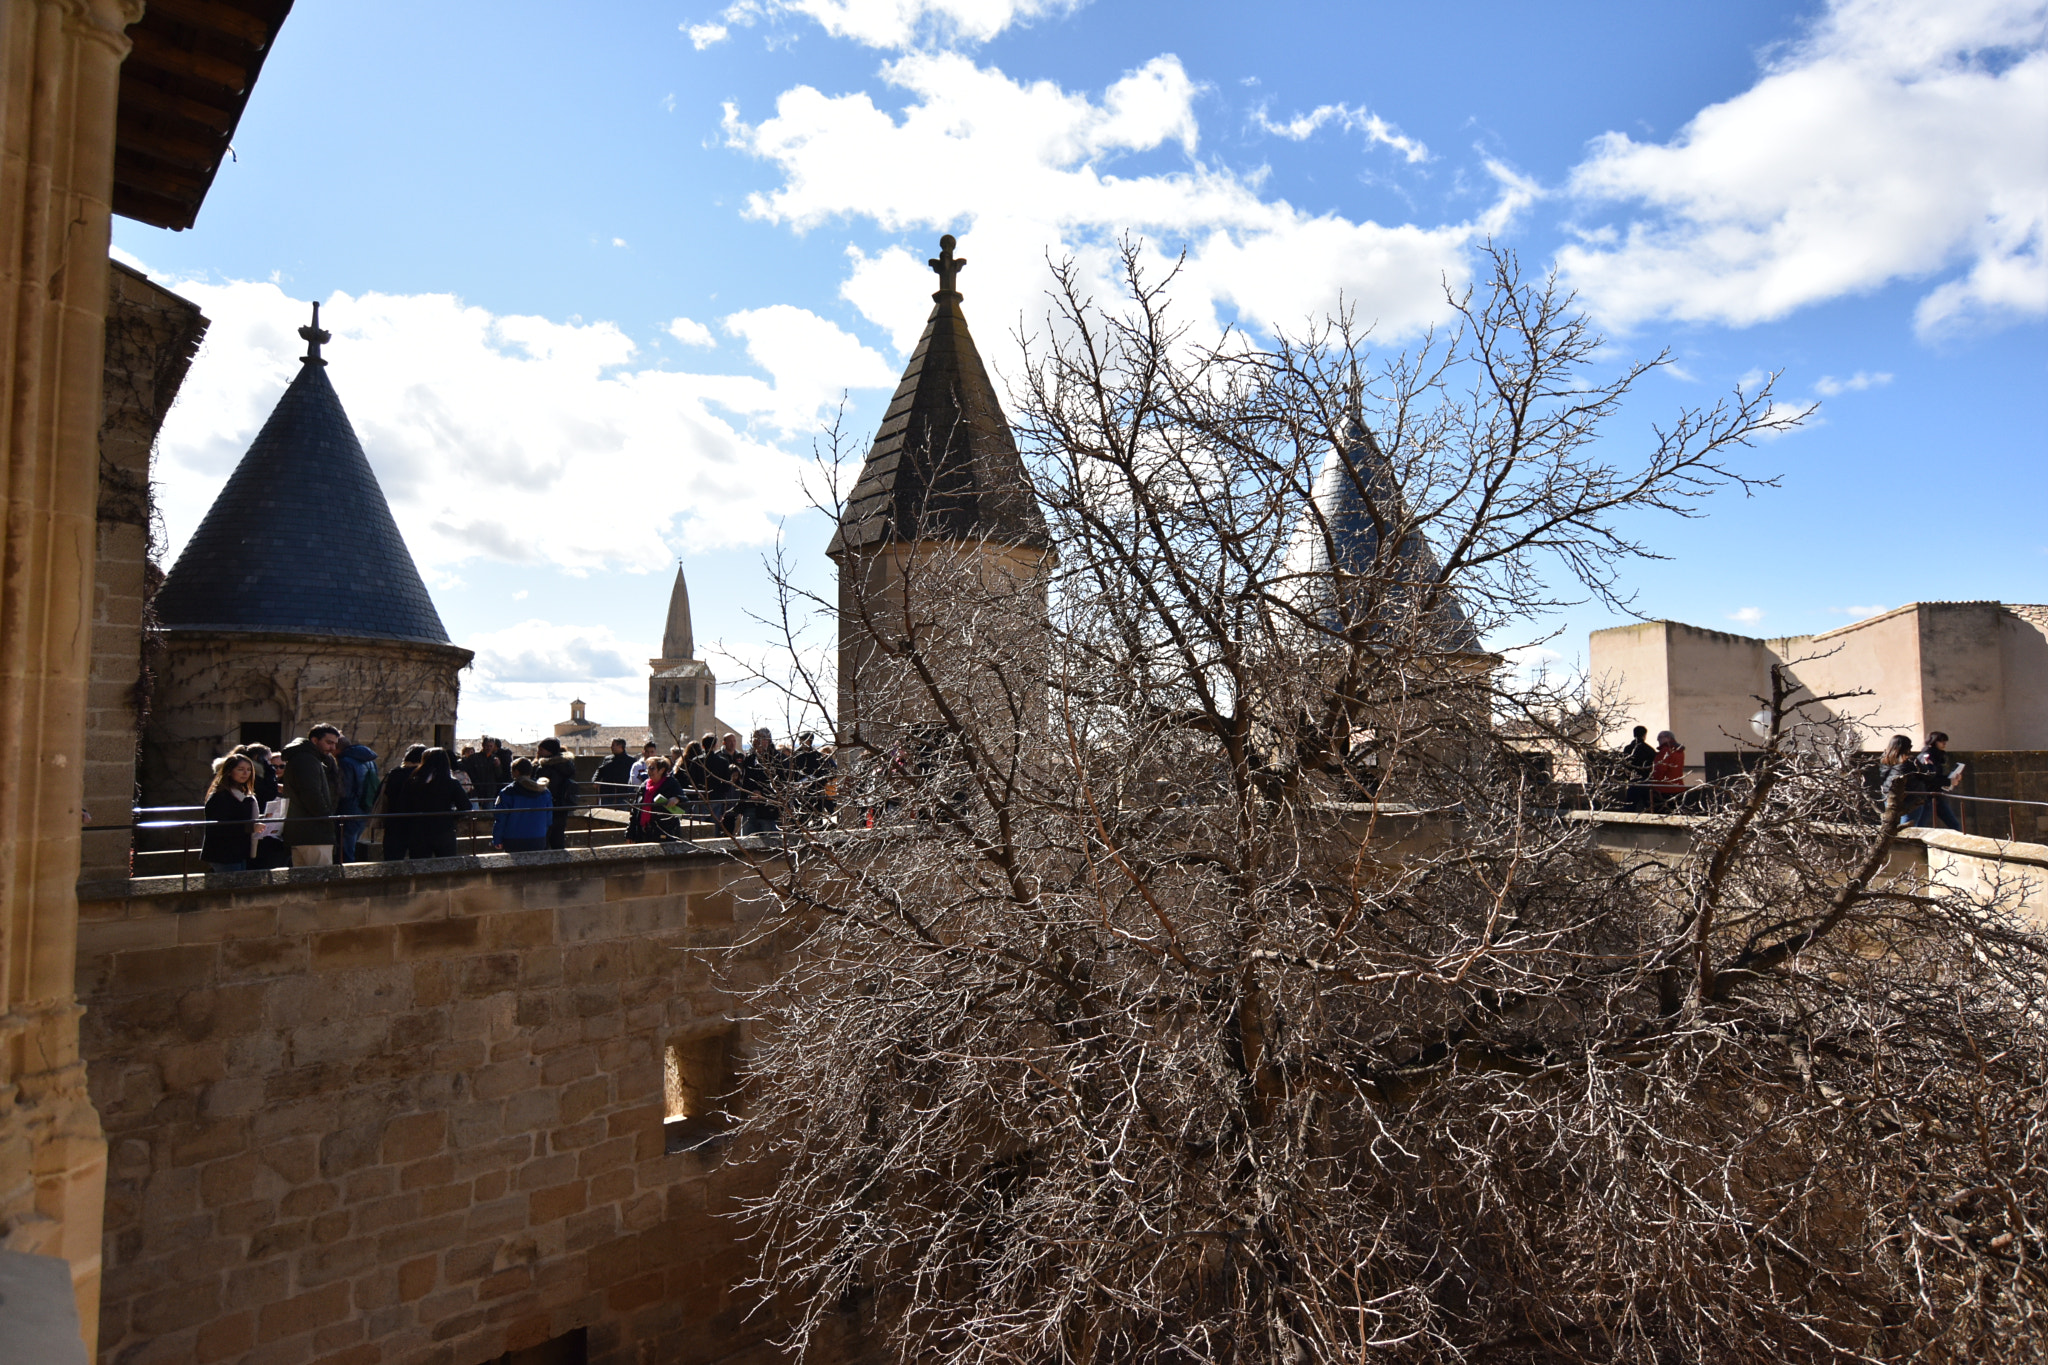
(1827, 386)
(1376, 129)
(1020, 170)
(526, 675)
(519, 596)
(618, 241)
(893, 23)
(704, 35)
(691, 333)
(1747, 616)
(516, 438)
(1897, 140)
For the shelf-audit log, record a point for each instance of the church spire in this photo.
(677, 639)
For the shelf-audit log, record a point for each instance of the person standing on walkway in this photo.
(1637, 759)
(523, 818)
(434, 800)
(1667, 774)
(1937, 776)
(312, 793)
(359, 784)
(398, 829)
(1896, 772)
(764, 783)
(559, 771)
(648, 753)
(614, 776)
(485, 775)
(231, 811)
(723, 772)
(659, 801)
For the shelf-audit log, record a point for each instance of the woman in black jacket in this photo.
(398, 833)
(432, 801)
(230, 816)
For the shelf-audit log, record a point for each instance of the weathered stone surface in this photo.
(371, 1131)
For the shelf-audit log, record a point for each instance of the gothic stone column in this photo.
(59, 80)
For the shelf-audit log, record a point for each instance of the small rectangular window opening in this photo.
(444, 737)
(698, 1077)
(269, 733)
(570, 1348)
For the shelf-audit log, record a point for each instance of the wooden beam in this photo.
(157, 210)
(157, 178)
(138, 93)
(160, 54)
(214, 17)
(160, 145)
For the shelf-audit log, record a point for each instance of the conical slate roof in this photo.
(944, 465)
(1357, 479)
(677, 639)
(301, 540)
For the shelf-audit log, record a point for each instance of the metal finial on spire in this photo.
(948, 265)
(315, 338)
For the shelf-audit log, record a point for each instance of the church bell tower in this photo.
(682, 694)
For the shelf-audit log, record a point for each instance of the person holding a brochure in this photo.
(1937, 776)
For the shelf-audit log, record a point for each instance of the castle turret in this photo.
(943, 506)
(296, 602)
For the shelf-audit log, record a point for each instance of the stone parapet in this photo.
(416, 1111)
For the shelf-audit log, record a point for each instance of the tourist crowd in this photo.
(330, 790)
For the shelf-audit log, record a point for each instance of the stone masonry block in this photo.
(303, 1313)
(413, 1137)
(435, 937)
(230, 922)
(370, 946)
(541, 895)
(264, 956)
(417, 904)
(519, 929)
(163, 969)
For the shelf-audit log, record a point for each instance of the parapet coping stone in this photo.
(1947, 840)
(596, 861)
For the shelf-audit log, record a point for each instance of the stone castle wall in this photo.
(416, 1114)
(383, 693)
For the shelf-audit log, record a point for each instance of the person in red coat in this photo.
(1667, 774)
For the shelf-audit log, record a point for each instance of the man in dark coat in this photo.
(614, 775)
(312, 792)
(723, 774)
(560, 771)
(1637, 758)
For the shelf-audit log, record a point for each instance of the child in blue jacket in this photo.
(523, 810)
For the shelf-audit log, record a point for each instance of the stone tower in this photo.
(682, 694)
(296, 602)
(942, 537)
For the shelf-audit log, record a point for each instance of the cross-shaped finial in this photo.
(315, 337)
(948, 265)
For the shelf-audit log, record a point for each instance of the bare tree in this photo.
(1211, 984)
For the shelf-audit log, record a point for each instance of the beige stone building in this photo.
(1977, 670)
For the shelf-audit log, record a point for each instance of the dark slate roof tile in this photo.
(301, 539)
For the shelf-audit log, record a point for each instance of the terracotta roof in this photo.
(944, 465)
(184, 85)
(301, 539)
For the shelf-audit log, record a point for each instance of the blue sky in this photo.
(597, 273)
